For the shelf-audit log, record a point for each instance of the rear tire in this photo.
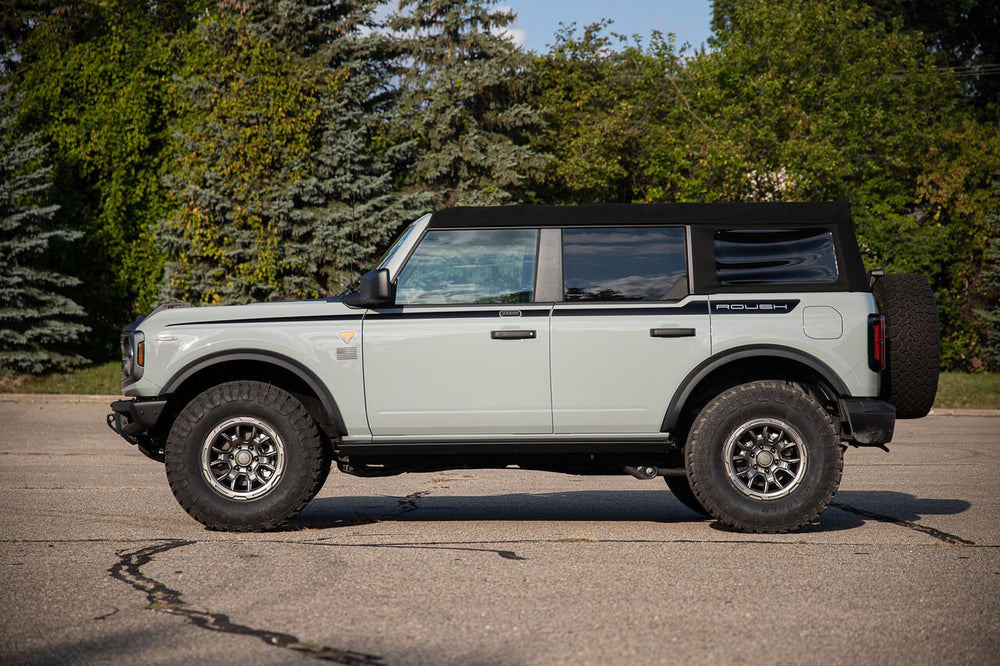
(244, 456)
(764, 457)
(681, 489)
(912, 344)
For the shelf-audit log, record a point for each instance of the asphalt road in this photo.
(100, 565)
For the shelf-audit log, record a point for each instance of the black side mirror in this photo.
(374, 290)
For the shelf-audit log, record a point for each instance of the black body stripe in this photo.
(692, 308)
(458, 314)
(269, 320)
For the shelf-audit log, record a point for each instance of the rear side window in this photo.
(775, 256)
(624, 264)
(470, 266)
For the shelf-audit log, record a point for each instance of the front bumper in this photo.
(134, 419)
(871, 422)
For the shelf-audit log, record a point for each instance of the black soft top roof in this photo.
(706, 219)
(751, 214)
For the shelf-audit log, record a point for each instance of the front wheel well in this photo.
(204, 378)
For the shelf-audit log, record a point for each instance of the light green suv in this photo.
(733, 349)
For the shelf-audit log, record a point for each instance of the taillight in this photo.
(876, 342)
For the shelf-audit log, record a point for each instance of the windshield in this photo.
(387, 257)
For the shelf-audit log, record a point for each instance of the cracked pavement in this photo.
(100, 565)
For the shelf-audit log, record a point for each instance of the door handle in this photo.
(672, 332)
(513, 335)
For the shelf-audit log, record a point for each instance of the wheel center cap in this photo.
(765, 459)
(243, 458)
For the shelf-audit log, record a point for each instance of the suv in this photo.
(732, 349)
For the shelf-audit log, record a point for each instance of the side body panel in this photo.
(615, 367)
(323, 336)
(458, 370)
(831, 327)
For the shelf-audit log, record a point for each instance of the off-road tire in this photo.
(681, 489)
(779, 423)
(912, 344)
(244, 456)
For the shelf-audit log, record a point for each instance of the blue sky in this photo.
(538, 20)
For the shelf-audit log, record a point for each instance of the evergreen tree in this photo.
(96, 79)
(463, 102)
(285, 188)
(248, 128)
(36, 319)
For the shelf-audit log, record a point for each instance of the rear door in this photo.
(626, 332)
(465, 350)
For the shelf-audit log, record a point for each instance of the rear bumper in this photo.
(870, 422)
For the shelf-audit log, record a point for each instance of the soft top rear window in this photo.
(775, 256)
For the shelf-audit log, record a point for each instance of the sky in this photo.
(538, 20)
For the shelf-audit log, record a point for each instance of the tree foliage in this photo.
(463, 102)
(96, 81)
(223, 151)
(38, 323)
(605, 108)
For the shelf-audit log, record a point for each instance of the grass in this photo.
(955, 390)
(103, 379)
(962, 391)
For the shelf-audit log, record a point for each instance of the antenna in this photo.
(354, 222)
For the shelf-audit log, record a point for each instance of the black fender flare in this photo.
(718, 361)
(307, 376)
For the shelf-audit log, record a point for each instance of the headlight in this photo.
(133, 356)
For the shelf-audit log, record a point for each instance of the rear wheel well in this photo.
(746, 370)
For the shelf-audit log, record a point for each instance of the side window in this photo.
(624, 264)
(775, 256)
(470, 266)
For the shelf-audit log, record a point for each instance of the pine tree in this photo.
(284, 188)
(463, 102)
(36, 319)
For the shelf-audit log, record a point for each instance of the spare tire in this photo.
(912, 344)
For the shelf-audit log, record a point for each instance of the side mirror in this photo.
(374, 290)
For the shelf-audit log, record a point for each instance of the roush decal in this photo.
(754, 307)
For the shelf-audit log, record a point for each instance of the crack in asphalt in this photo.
(161, 598)
(882, 518)
(128, 569)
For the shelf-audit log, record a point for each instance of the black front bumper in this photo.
(871, 422)
(134, 420)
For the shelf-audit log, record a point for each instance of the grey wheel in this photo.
(244, 456)
(764, 457)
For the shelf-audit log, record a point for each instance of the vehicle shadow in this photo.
(849, 510)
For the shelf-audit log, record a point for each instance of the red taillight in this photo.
(876, 342)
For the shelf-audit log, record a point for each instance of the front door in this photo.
(465, 349)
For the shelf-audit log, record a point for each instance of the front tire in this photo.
(764, 457)
(244, 456)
